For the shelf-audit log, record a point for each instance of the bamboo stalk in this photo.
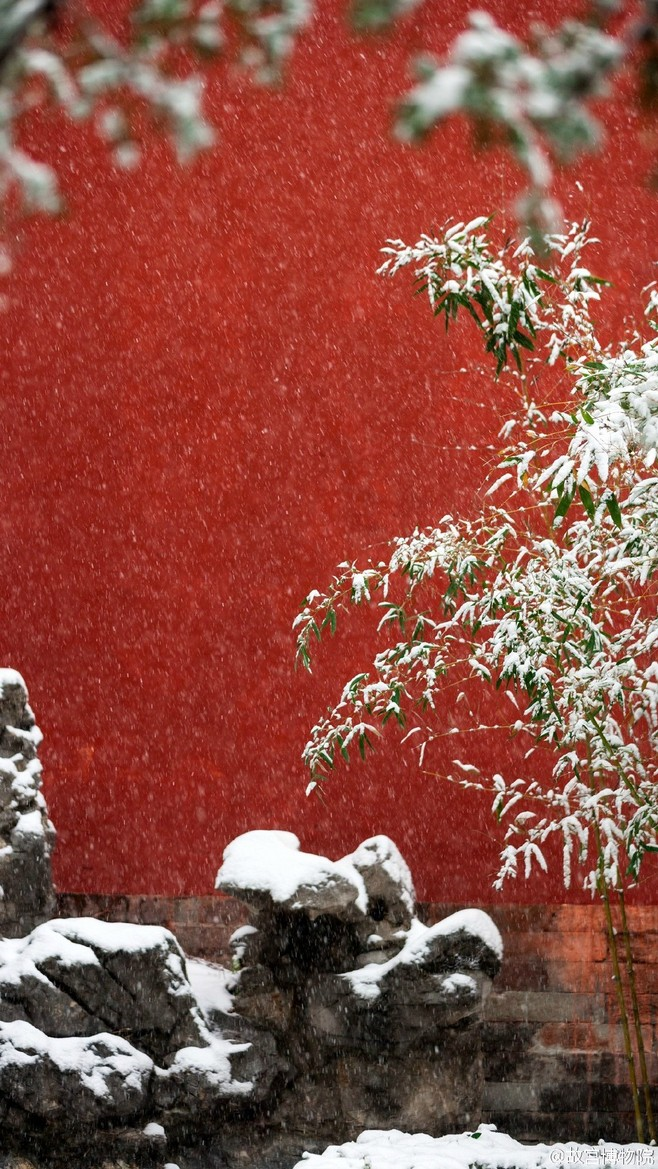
(639, 1039)
(604, 894)
(616, 978)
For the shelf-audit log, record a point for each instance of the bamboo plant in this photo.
(546, 594)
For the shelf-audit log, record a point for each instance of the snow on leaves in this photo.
(96, 77)
(533, 97)
(548, 597)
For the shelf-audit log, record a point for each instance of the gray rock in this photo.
(261, 1000)
(81, 976)
(267, 871)
(436, 1092)
(388, 881)
(460, 949)
(349, 1014)
(27, 836)
(377, 1016)
(65, 1077)
(64, 1081)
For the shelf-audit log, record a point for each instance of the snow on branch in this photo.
(548, 597)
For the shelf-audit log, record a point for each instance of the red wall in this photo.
(208, 400)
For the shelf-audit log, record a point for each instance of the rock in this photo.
(268, 871)
(388, 882)
(376, 1015)
(102, 1028)
(197, 1079)
(261, 1000)
(255, 1057)
(346, 1013)
(245, 946)
(73, 1080)
(412, 1009)
(467, 940)
(427, 1094)
(81, 976)
(27, 836)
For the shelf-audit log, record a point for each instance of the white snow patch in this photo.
(243, 931)
(28, 824)
(473, 921)
(365, 982)
(381, 850)
(211, 985)
(152, 1129)
(9, 677)
(212, 1063)
(272, 862)
(94, 1059)
(458, 981)
(488, 1148)
(110, 936)
(238, 939)
(21, 957)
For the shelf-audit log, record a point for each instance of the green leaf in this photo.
(564, 504)
(304, 657)
(464, 299)
(515, 313)
(613, 507)
(586, 500)
(330, 620)
(525, 342)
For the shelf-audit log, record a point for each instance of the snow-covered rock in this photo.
(267, 870)
(101, 1077)
(27, 836)
(376, 1014)
(82, 976)
(387, 878)
(99, 1025)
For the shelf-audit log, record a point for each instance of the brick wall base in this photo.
(555, 1067)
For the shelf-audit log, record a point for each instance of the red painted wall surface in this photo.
(209, 399)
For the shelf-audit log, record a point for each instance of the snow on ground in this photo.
(486, 1148)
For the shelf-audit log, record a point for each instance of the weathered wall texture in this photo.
(554, 1062)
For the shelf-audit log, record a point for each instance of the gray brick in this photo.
(531, 1006)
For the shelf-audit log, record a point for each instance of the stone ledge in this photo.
(544, 1006)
